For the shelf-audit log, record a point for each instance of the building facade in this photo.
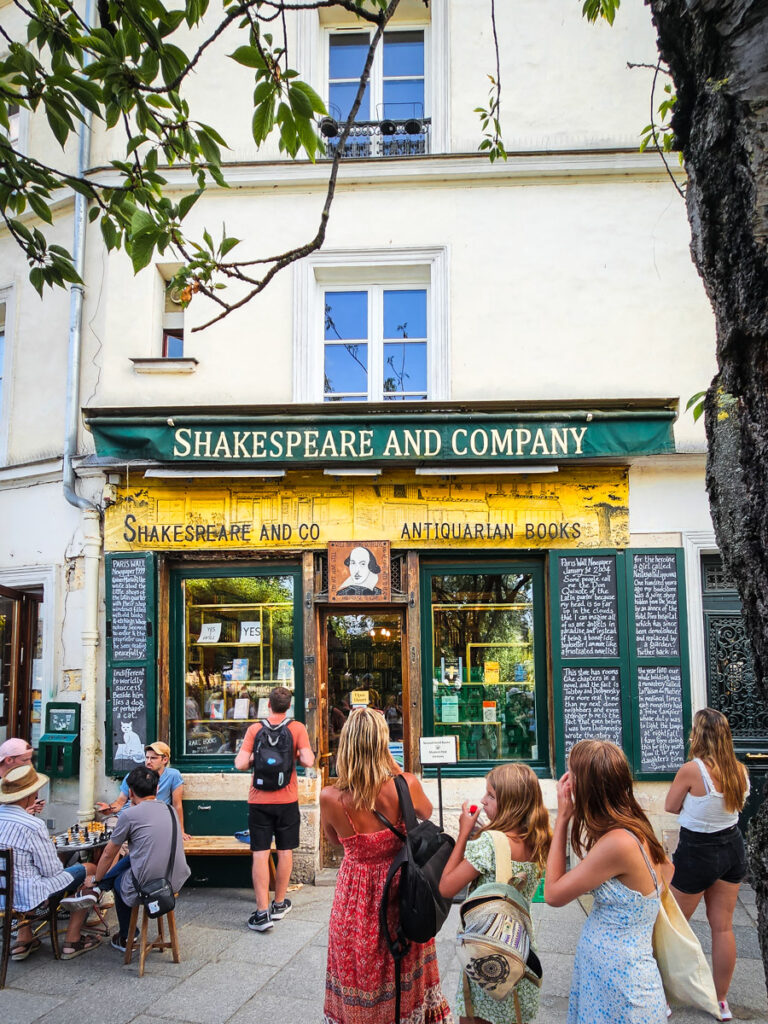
(440, 467)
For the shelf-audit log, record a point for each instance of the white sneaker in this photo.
(725, 1010)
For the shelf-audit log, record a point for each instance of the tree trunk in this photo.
(717, 52)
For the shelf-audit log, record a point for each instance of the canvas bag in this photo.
(494, 945)
(682, 965)
(273, 756)
(157, 895)
(421, 909)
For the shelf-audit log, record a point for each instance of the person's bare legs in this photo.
(283, 874)
(720, 899)
(260, 875)
(76, 922)
(687, 901)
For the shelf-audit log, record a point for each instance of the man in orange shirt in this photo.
(273, 801)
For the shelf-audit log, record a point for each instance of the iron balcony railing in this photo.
(387, 138)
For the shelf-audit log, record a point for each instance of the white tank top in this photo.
(706, 813)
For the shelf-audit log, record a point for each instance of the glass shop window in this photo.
(239, 644)
(486, 689)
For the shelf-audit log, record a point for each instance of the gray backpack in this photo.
(494, 943)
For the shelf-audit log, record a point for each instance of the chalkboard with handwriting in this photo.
(589, 625)
(129, 609)
(129, 716)
(656, 620)
(591, 705)
(660, 699)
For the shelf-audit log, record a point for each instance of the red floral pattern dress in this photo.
(360, 978)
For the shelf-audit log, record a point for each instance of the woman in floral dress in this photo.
(360, 977)
(615, 977)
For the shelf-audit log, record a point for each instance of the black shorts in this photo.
(703, 858)
(278, 821)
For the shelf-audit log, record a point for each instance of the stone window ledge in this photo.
(165, 365)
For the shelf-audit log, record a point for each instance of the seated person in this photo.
(170, 788)
(147, 828)
(37, 872)
(13, 754)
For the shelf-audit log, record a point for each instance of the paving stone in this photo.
(558, 968)
(274, 1006)
(212, 994)
(276, 947)
(24, 1007)
(123, 996)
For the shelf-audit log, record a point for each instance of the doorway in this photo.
(362, 663)
(20, 690)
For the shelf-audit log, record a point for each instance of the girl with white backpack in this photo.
(518, 831)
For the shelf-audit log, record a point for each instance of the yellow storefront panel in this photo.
(575, 508)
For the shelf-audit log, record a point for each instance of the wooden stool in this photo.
(158, 943)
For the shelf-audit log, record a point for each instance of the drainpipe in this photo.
(91, 515)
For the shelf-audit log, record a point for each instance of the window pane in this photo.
(346, 369)
(346, 316)
(173, 344)
(404, 98)
(403, 53)
(405, 314)
(347, 53)
(483, 668)
(239, 645)
(405, 366)
(342, 96)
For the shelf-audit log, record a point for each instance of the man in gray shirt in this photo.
(147, 827)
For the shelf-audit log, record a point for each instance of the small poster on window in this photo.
(217, 709)
(250, 632)
(209, 633)
(489, 711)
(241, 707)
(239, 669)
(263, 709)
(449, 709)
(491, 673)
(285, 672)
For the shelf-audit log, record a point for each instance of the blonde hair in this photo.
(363, 760)
(711, 741)
(520, 808)
(603, 798)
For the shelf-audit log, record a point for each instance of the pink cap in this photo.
(12, 748)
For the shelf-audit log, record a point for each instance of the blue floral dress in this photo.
(481, 855)
(615, 977)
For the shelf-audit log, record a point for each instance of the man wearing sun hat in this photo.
(37, 872)
(13, 754)
(170, 788)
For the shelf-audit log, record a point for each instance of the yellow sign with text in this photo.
(584, 507)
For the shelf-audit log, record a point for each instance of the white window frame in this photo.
(312, 61)
(7, 297)
(358, 270)
(376, 80)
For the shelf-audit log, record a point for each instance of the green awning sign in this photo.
(430, 438)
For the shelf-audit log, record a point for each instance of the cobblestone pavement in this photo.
(230, 975)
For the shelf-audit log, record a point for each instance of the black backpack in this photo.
(273, 756)
(420, 863)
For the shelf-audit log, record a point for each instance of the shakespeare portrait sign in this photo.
(358, 570)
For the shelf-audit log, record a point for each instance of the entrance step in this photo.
(326, 876)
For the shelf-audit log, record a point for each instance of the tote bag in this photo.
(683, 967)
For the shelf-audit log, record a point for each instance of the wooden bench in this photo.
(225, 846)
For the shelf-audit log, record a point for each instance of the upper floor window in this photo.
(372, 326)
(173, 325)
(393, 118)
(2, 352)
(375, 344)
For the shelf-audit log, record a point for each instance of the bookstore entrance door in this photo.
(362, 663)
(20, 702)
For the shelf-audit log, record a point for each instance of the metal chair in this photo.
(49, 914)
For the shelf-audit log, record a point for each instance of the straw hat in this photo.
(21, 782)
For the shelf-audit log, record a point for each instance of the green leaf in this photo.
(227, 244)
(263, 121)
(142, 248)
(141, 222)
(187, 202)
(315, 101)
(248, 56)
(40, 207)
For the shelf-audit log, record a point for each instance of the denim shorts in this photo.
(703, 858)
